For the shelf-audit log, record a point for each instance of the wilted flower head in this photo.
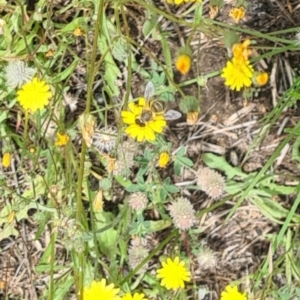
(125, 159)
(182, 213)
(211, 182)
(138, 201)
(237, 13)
(86, 125)
(2, 24)
(104, 139)
(17, 73)
(136, 254)
(70, 101)
(207, 259)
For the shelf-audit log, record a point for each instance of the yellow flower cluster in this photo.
(238, 72)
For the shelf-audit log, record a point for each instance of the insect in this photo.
(155, 106)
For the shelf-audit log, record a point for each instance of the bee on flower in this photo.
(147, 117)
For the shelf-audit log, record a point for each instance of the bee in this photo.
(155, 106)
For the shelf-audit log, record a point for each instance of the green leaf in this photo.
(220, 163)
(66, 72)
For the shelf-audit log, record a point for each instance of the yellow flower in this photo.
(177, 2)
(237, 13)
(241, 51)
(61, 139)
(173, 274)
(261, 79)
(99, 290)
(163, 160)
(49, 53)
(142, 129)
(136, 296)
(34, 95)
(78, 31)
(6, 160)
(232, 293)
(183, 63)
(237, 74)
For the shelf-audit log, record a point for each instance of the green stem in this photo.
(79, 268)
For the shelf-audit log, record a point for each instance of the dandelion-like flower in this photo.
(61, 139)
(145, 129)
(182, 213)
(237, 73)
(16, 74)
(138, 201)
(183, 63)
(237, 13)
(211, 182)
(136, 254)
(104, 139)
(260, 78)
(6, 160)
(164, 158)
(232, 293)
(173, 274)
(99, 290)
(136, 296)
(34, 95)
(177, 2)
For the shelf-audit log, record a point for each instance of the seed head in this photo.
(17, 73)
(138, 201)
(135, 256)
(182, 213)
(207, 259)
(211, 182)
(104, 139)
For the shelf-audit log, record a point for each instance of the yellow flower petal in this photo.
(34, 95)
(183, 63)
(163, 160)
(6, 160)
(173, 274)
(237, 73)
(99, 290)
(237, 13)
(232, 293)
